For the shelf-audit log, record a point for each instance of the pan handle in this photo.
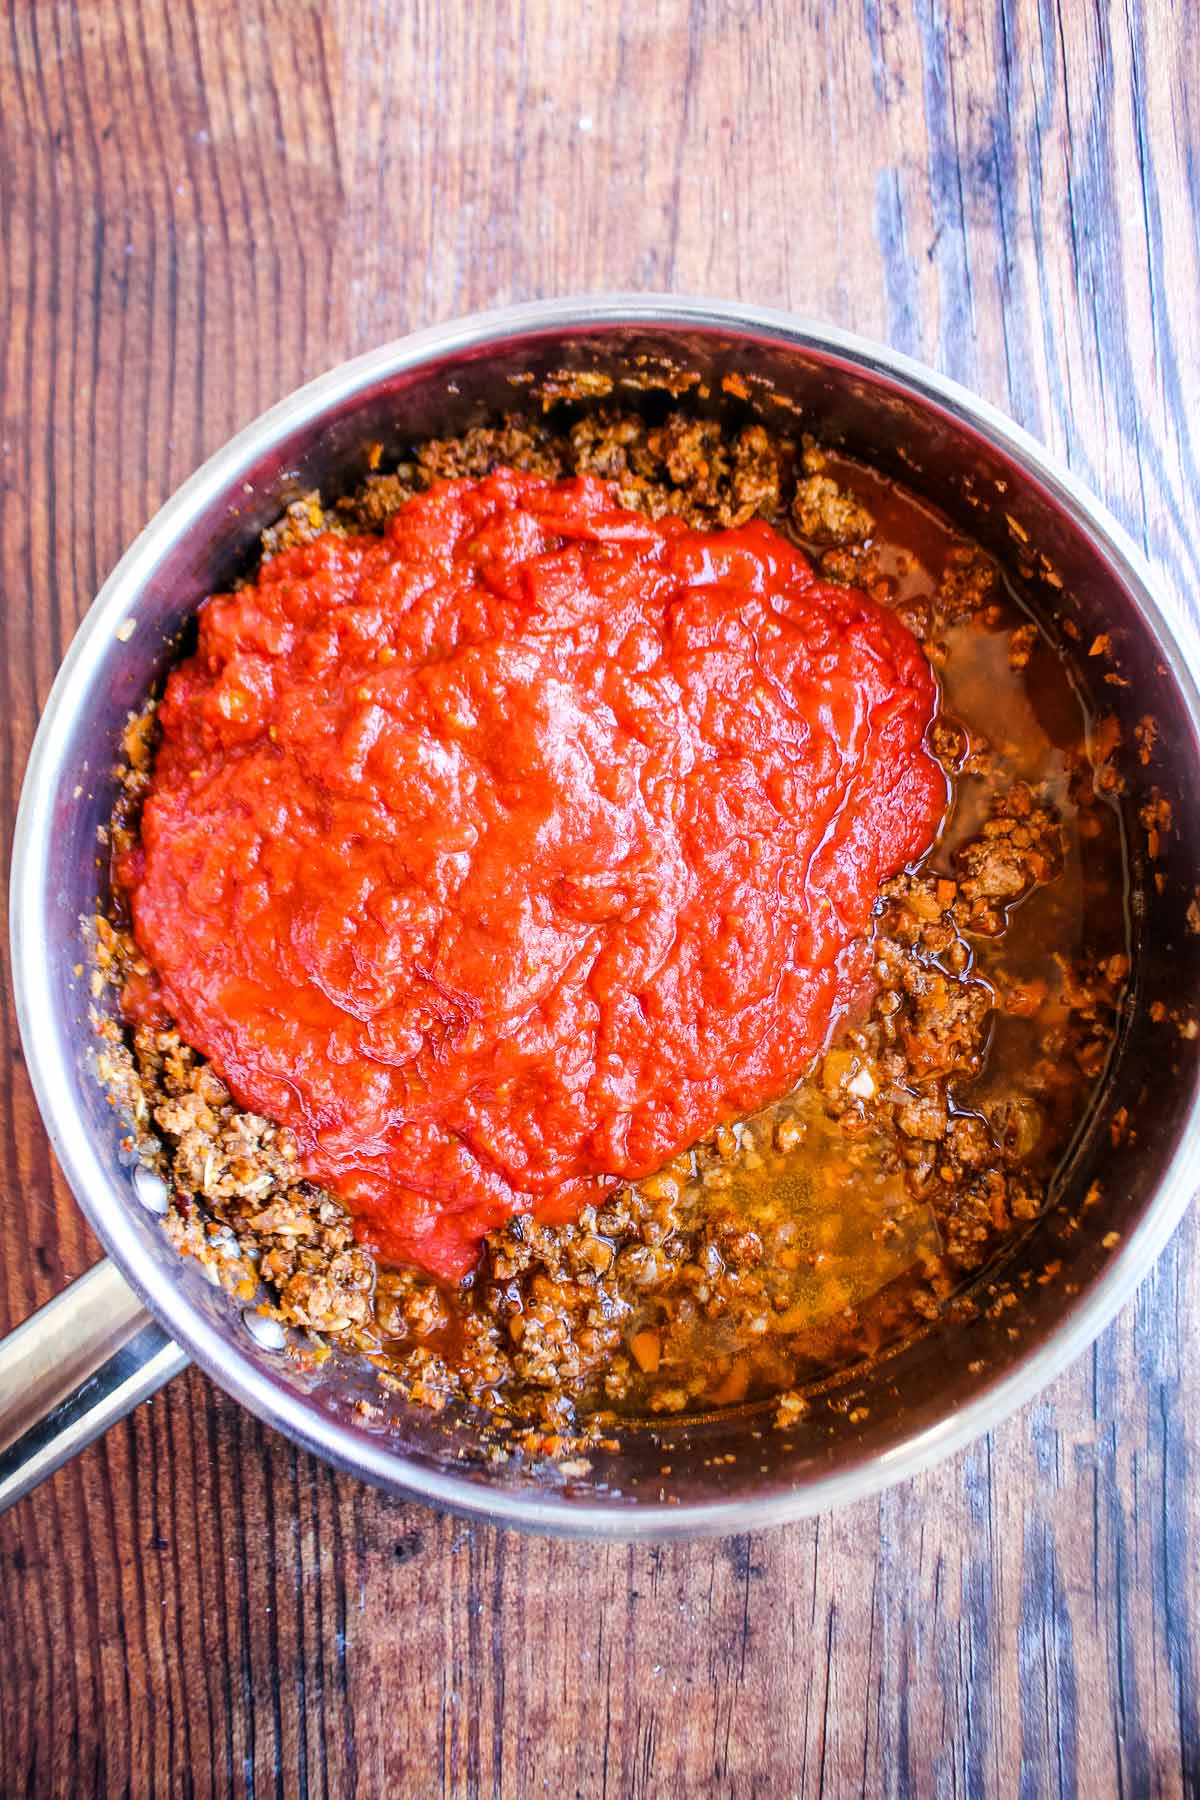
(70, 1371)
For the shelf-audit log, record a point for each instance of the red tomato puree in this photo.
(504, 855)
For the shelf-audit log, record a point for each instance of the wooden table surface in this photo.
(203, 203)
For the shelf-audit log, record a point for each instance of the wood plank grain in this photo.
(205, 203)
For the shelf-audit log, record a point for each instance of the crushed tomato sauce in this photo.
(503, 856)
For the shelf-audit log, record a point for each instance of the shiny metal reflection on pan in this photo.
(131, 1324)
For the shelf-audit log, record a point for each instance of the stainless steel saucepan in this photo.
(134, 1321)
